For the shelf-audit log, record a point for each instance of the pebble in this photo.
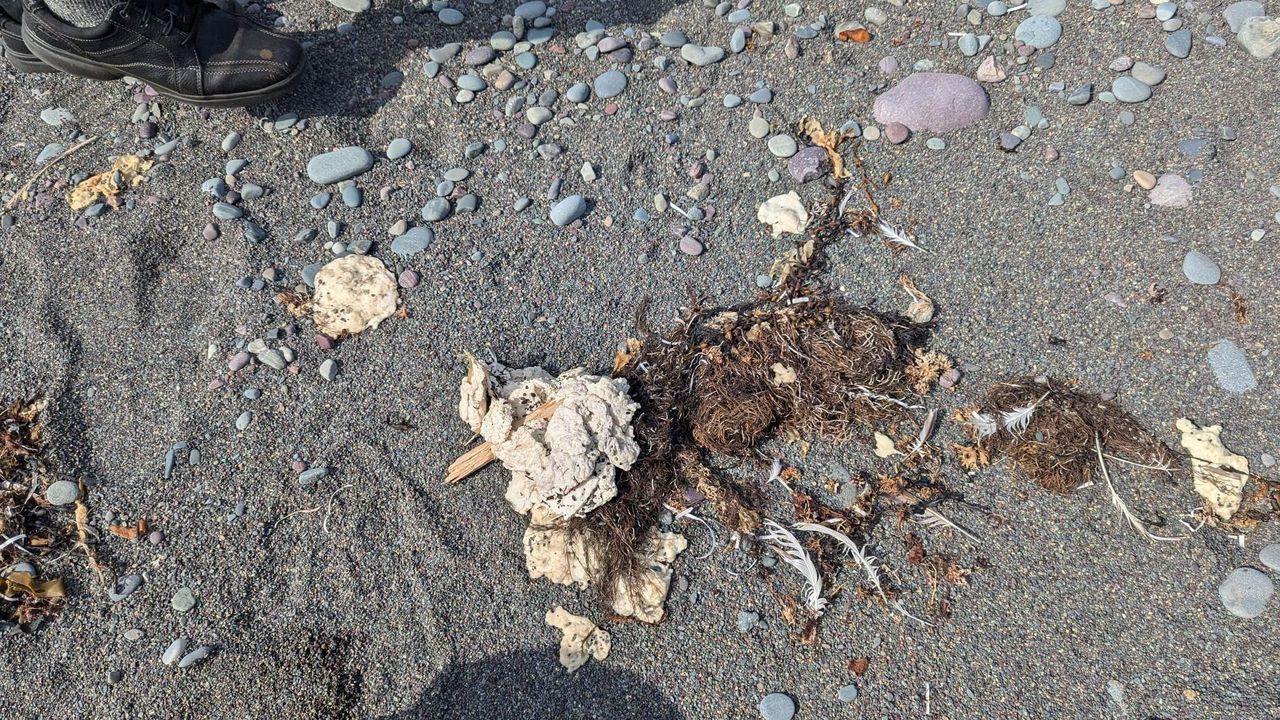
(933, 102)
(124, 587)
(450, 16)
(338, 165)
(747, 619)
(1039, 31)
(673, 39)
(243, 420)
(56, 117)
(1130, 89)
(408, 279)
(352, 196)
(758, 127)
(809, 164)
(195, 656)
(1235, 14)
(702, 55)
(1147, 73)
(413, 242)
(399, 148)
(579, 92)
(183, 600)
(175, 651)
(848, 693)
(776, 706)
(1178, 43)
(1145, 180)
(436, 209)
(1171, 191)
(896, 133)
(329, 369)
(1231, 367)
(568, 210)
(783, 146)
(1246, 592)
(1260, 36)
(609, 84)
(1270, 556)
(62, 492)
(1081, 95)
(49, 152)
(1200, 269)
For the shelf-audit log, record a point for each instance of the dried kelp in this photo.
(1047, 429)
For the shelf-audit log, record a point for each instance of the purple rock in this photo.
(1009, 142)
(896, 133)
(610, 44)
(408, 279)
(526, 130)
(810, 163)
(238, 361)
(933, 102)
(668, 85)
(888, 64)
(324, 342)
(690, 246)
(479, 55)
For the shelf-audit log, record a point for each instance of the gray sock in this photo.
(82, 13)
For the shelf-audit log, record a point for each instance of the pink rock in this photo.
(1170, 191)
(324, 342)
(888, 64)
(690, 246)
(933, 102)
(896, 133)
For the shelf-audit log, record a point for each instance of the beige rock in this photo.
(1260, 36)
(353, 293)
(784, 214)
(581, 639)
(1219, 474)
(551, 551)
(989, 71)
(1145, 180)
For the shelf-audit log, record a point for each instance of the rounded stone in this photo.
(1246, 592)
(610, 83)
(62, 492)
(896, 133)
(1039, 31)
(436, 209)
(398, 148)
(848, 693)
(1200, 269)
(183, 600)
(1231, 368)
(1129, 89)
(338, 165)
(783, 146)
(776, 706)
(933, 102)
(1270, 556)
(809, 164)
(568, 210)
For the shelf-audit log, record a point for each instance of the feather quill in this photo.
(793, 553)
(895, 236)
(934, 519)
(1121, 506)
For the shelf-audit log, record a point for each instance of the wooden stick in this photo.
(21, 194)
(477, 457)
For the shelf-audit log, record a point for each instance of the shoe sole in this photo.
(81, 67)
(24, 62)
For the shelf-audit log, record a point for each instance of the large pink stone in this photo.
(933, 102)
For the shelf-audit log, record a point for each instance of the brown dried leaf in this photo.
(129, 532)
(21, 582)
(858, 666)
(623, 357)
(971, 457)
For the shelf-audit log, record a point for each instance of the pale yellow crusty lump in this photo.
(353, 293)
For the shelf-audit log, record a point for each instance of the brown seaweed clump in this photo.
(28, 526)
(1053, 433)
(795, 361)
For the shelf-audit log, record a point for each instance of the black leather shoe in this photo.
(190, 50)
(12, 48)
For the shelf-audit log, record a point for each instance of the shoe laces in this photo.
(177, 15)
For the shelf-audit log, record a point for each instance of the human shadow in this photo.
(347, 68)
(529, 684)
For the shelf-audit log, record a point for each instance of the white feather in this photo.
(896, 236)
(793, 553)
(869, 563)
(985, 424)
(1017, 419)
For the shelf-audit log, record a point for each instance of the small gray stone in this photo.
(124, 587)
(609, 84)
(783, 146)
(1246, 592)
(578, 93)
(776, 706)
(329, 369)
(848, 693)
(702, 55)
(183, 600)
(436, 209)
(413, 242)
(1147, 73)
(450, 16)
(195, 656)
(1081, 95)
(243, 420)
(342, 164)
(1130, 89)
(747, 620)
(568, 210)
(1270, 556)
(175, 651)
(398, 148)
(1039, 31)
(1231, 367)
(62, 492)
(1178, 43)
(1200, 269)
(673, 39)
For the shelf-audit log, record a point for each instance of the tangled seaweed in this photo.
(796, 360)
(1050, 432)
(28, 526)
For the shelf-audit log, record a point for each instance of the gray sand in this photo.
(414, 602)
